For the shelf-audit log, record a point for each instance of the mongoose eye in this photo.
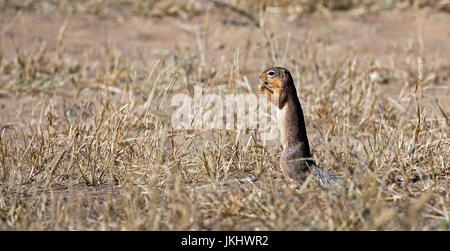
(271, 73)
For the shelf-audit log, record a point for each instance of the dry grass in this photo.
(88, 143)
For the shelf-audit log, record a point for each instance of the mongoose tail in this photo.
(296, 160)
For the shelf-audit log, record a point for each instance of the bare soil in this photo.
(378, 40)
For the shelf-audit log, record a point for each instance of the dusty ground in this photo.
(378, 35)
(382, 41)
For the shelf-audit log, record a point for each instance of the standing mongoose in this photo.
(296, 160)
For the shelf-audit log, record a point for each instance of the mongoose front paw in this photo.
(262, 87)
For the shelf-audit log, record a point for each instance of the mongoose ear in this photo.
(282, 73)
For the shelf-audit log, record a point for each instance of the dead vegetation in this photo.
(86, 141)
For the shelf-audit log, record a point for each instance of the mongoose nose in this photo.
(262, 75)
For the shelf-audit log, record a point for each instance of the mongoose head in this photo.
(276, 78)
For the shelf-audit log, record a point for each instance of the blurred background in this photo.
(387, 36)
(190, 8)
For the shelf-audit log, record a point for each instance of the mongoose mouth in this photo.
(268, 85)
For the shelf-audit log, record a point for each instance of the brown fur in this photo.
(296, 160)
